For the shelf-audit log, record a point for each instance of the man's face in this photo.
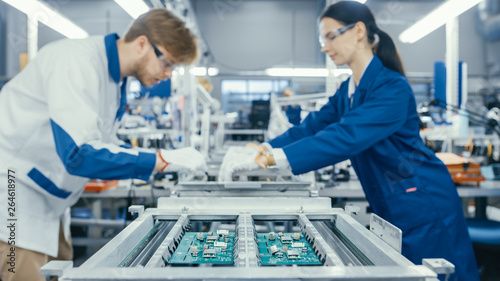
(156, 65)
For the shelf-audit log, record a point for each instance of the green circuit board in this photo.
(204, 247)
(289, 250)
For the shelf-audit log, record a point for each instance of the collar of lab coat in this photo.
(114, 71)
(352, 86)
(112, 54)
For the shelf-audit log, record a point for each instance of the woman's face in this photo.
(340, 46)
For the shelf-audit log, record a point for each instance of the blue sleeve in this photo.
(293, 114)
(125, 145)
(313, 123)
(381, 115)
(104, 162)
(75, 98)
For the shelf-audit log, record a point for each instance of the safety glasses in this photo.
(330, 36)
(165, 64)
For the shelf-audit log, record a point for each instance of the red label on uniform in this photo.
(411, 189)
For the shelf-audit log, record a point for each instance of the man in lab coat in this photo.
(58, 129)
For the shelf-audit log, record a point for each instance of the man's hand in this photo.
(182, 159)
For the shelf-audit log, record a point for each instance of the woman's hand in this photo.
(263, 158)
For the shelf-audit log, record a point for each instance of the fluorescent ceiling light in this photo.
(306, 72)
(37, 10)
(438, 17)
(279, 71)
(202, 71)
(360, 1)
(212, 71)
(297, 72)
(134, 8)
(341, 71)
(198, 71)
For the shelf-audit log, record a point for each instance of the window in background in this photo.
(134, 89)
(246, 96)
(237, 95)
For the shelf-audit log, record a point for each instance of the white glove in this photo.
(238, 159)
(186, 158)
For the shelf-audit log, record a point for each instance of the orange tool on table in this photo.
(100, 185)
(462, 170)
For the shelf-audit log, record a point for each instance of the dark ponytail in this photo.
(349, 12)
(388, 53)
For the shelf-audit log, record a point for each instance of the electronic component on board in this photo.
(293, 254)
(209, 253)
(286, 239)
(272, 236)
(297, 245)
(222, 232)
(194, 250)
(274, 249)
(207, 250)
(211, 239)
(199, 236)
(285, 250)
(220, 244)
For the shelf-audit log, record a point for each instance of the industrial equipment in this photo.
(258, 182)
(255, 238)
(245, 188)
(462, 170)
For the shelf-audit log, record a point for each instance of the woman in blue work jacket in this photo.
(372, 121)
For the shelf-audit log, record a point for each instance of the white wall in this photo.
(97, 17)
(14, 39)
(258, 34)
(3, 29)
(394, 18)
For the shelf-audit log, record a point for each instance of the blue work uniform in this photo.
(404, 182)
(293, 114)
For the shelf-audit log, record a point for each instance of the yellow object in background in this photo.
(470, 146)
(135, 142)
(23, 60)
(207, 85)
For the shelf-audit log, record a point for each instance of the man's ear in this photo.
(141, 44)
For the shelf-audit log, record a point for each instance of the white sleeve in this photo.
(268, 146)
(280, 158)
(72, 83)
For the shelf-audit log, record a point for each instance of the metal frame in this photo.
(388, 263)
(245, 189)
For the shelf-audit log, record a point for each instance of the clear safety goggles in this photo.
(330, 36)
(165, 64)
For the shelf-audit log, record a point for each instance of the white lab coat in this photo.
(57, 129)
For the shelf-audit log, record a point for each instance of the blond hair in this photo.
(165, 29)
